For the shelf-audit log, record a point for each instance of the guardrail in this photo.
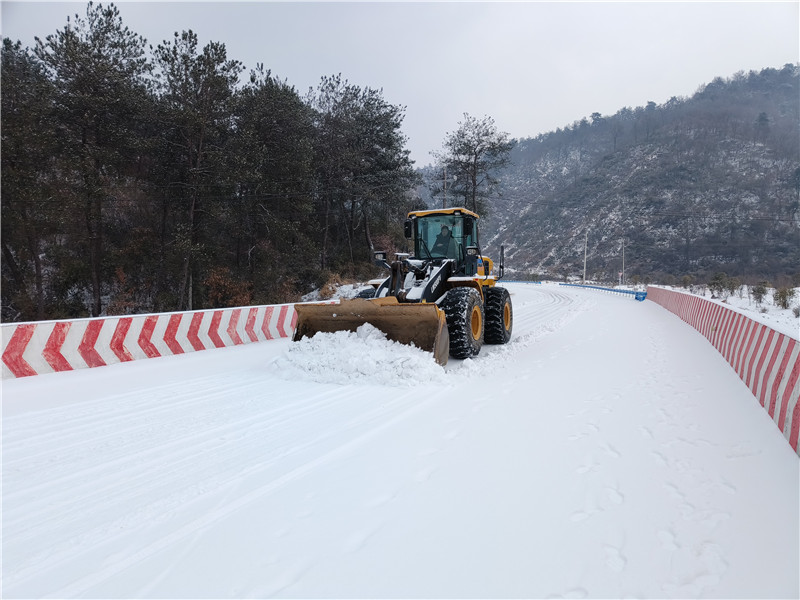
(767, 361)
(52, 346)
(640, 296)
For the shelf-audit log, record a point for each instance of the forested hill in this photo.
(143, 177)
(694, 186)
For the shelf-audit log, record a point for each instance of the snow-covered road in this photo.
(607, 451)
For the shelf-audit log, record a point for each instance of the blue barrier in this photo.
(640, 296)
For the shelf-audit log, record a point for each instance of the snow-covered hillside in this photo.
(687, 187)
(607, 451)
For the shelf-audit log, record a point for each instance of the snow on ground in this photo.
(607, 451)
(334, 292)
(780, 319)
(767, 312)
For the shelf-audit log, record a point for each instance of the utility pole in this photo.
(585, 243)
(455, 178)
(444, 200)
(622, 281)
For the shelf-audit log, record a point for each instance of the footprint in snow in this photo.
(578, 413)
(611, 451)
(427, 452)
(659, 458)
(582, 515)
(615, 559)
(424, 474)
(614, 495)
(674, 492)
(714, 518)
(380, 500)
(587, 468)
(667, 539)
(357, 540)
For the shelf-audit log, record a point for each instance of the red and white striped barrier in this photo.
(50, 346)
(767, 361)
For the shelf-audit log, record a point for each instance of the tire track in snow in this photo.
(548, 312)
(32, 430)
(184, 469)
(154, 429)
(81, 586)
(167, 476)
(542, 312)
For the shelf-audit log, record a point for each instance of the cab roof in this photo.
(442, 211)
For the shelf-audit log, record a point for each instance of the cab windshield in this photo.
(441, 236)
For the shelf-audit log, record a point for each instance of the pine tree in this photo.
(196, 90)
(28, 182)
(98, 69)
(474, 154)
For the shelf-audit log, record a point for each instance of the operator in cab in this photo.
(445, 244)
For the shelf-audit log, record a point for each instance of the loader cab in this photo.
(443, 234)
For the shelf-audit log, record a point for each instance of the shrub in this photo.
(734, 284)
(719, 285)
(330, 286)
(759, 290)
(783, 297)
(226, 290)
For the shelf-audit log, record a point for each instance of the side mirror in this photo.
(468, 226)
(379, 257)
(408, 228)
(471, 261)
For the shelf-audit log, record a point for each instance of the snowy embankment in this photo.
(607, 451)
(766, 312)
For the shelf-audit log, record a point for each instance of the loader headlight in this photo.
(472, 251)
(380, 256)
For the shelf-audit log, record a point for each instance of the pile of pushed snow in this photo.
(363, 356)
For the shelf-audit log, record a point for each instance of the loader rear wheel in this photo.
(499, 315)
(463, 310)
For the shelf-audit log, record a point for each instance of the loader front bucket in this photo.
(422, 325)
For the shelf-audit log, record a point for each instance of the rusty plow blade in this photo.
(422, 325)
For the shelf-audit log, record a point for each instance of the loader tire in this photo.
(463, 310)
(499, 316)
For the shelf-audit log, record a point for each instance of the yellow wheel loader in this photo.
(442, 298)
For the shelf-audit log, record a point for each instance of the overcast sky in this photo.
(531, 66)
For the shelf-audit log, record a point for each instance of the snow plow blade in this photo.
(422, 325)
